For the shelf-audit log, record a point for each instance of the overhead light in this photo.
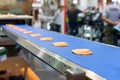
(75, 1)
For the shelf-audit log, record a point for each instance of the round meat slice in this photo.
(46, 38)
(22, 30)
(82, 51)
(28, 32)
(36, 35)
(60, 44)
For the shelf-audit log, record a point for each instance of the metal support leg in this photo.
(26, 74)
(73, 74)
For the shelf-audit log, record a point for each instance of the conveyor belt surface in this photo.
(104, 61)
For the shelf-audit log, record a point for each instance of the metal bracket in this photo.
(75, 74)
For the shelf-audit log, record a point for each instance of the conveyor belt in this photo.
(104, 61)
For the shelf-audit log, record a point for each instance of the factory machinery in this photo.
(103, 64)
